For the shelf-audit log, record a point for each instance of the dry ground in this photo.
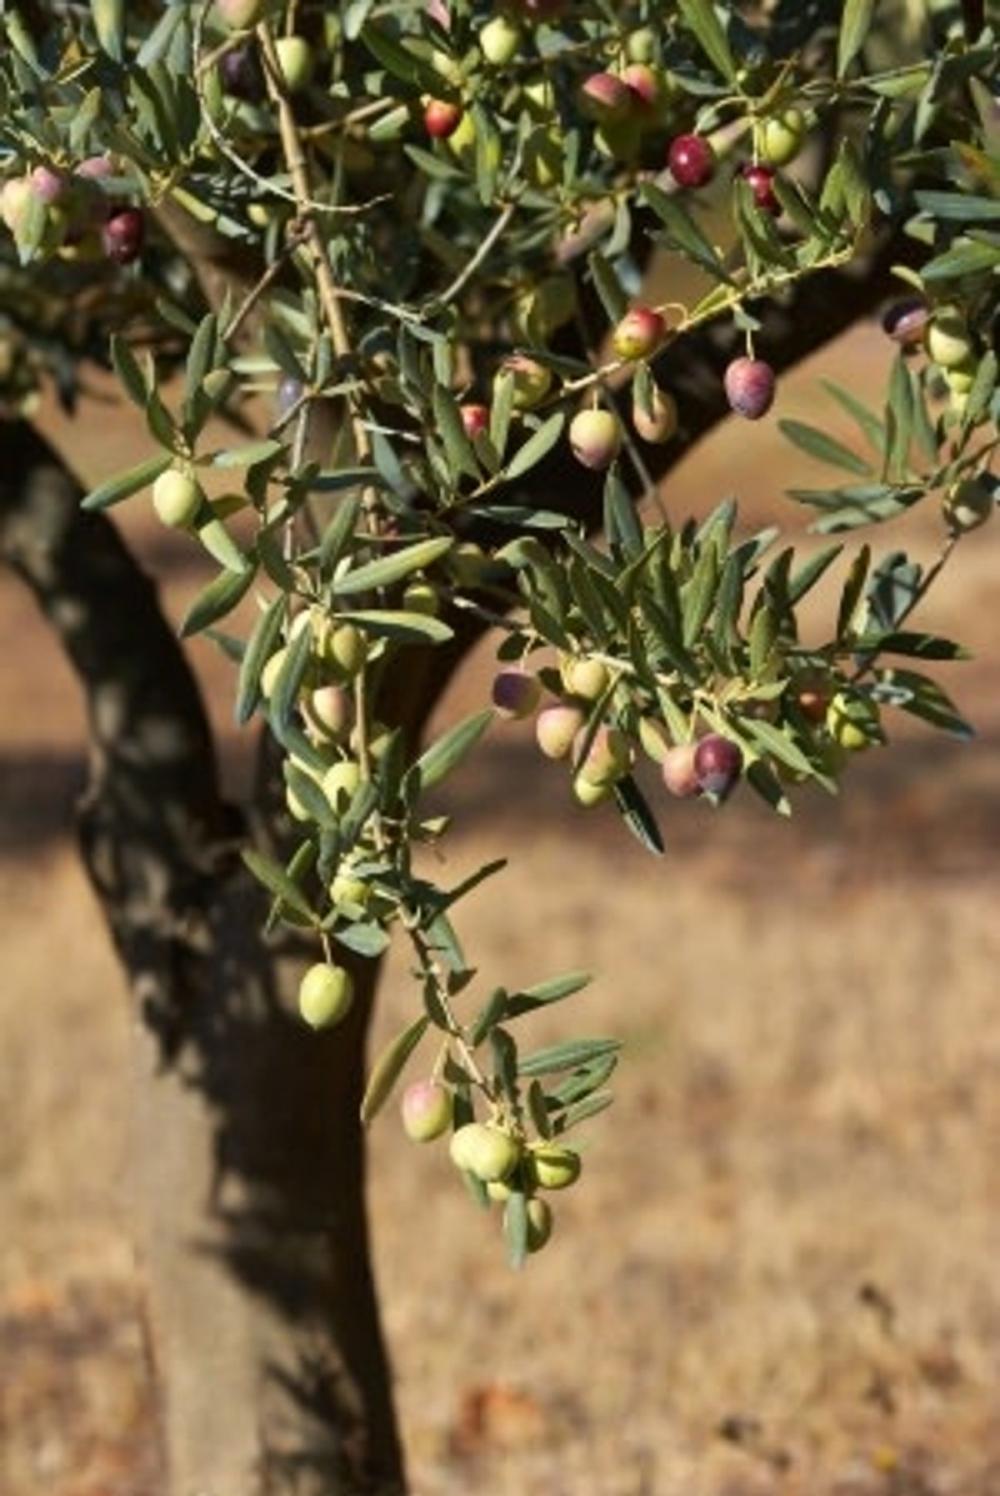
(781, 1272)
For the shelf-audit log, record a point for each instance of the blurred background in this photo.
(781, 1272)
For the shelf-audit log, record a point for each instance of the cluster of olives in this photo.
(495, 1154)
(711, 765)
(79, 221)
(943, 334)
(843, 720)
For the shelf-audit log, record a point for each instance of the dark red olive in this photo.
(691, 160)
(717, 764)
(760, 180)
(123, 235)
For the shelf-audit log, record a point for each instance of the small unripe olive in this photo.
(853, 722)
(422, 597)
(554, 1168)
(609, 757)
(515, 693)
(961, 379)
(271, 671)
(346, 649)
(678, 770)
(589, 794)
(947, 339)
(341, 783)
(544, 158)
(16, 197)
(653, 739)
(640, 46)
(486, 1152)
(557, 727)
(241, 14)
(468, 563)
(498, 1190)
(540, 311)
(532, 380)
(539, 1215)
(781, 137)
(586, 678)
(968, 504)
(325, 995)
(500, 40)
(595, 437)
(345, 888)
(427, 1108)
(177, 498)
(296, 61)
(462, 140)
(660, 423)
(639, 333)
(332, 710)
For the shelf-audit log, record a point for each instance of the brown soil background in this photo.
(781, 1273)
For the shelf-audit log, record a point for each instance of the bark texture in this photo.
(249, 1155)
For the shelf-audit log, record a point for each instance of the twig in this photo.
(466, 274)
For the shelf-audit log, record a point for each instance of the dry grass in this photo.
(780, 1271)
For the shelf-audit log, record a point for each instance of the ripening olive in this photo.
(484, 1151)
(553, 1167)
(177, 498)
(427, 1108)
(325, 995)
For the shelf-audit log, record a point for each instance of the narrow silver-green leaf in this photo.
(536, 447)
(703, 20)
(823, 447)
(855, 23)
(128, 483)
(274, 878)
(392, 568)
(448, 752)
(403, 627)
(260, 647)
(216, 600)
(389, 1067)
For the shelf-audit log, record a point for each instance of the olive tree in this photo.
(401, 254)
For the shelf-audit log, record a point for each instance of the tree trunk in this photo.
(249, 1162)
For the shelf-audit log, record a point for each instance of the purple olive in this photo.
(717, 764)
(515, 694)
(905, 321)
(241, 75)
(123, 235)
(749, 386)
(288, 394)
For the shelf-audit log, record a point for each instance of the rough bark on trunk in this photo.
(249, 1154)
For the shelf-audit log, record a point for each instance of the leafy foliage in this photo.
(431, 226)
